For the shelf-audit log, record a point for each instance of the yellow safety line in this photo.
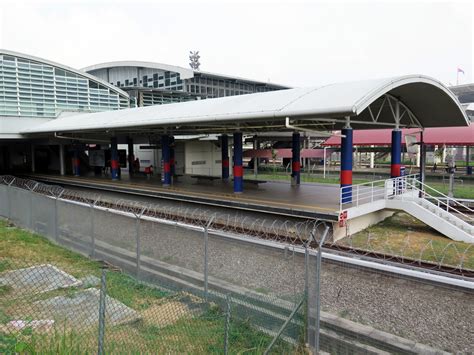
(154, 188)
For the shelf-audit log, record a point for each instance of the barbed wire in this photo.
(453, 256)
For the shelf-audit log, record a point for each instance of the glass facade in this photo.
(199, 86)
(211, 87)
(150, 98)
(34, 89)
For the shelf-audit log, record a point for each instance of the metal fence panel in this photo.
(172, 245)
(114, 238)
(44, 215)
(74, 226)
(261, 268)
(4, 201)
(20, 207)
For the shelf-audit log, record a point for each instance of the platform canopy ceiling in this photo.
(415, 101)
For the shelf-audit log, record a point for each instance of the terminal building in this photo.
(155, 83)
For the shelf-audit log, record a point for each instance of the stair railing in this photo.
(440, 203)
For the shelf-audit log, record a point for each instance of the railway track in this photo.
(283, 235)
(290, 233)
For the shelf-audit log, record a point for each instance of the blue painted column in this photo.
(225, 156)
(172, 160)
(131, 156)
(165, 153)
(114, 159)
(238, 168)
(346, 165)
(295, 160)
(76, 163)
(396, 158)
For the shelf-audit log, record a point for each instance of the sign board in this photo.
(412, 144)
(342, 218)
(97, 158)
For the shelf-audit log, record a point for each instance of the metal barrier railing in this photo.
(356, 195)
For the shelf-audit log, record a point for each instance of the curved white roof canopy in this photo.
(424, 102)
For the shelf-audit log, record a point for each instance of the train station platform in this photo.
(319, 201)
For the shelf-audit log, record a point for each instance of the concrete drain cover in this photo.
(81, 309)
(38, 279)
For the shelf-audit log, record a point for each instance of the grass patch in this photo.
(460, 191)
(404, 235)
(190, 330)
(304, 178)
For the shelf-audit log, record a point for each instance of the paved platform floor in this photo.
(312, 198)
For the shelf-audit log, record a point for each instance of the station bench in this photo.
(205, 177)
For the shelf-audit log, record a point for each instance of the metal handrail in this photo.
(448, 206)
(374, 189)
(398, 187)
(447, 198)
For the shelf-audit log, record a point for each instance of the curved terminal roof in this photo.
(318, 108)
(185, 73)
(65, 67)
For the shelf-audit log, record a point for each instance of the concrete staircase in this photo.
(445, 214)
(436, 217)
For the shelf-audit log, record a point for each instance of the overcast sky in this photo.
(294, 43)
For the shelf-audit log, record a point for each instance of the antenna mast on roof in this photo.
(194, 60)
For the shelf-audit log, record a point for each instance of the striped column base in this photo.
(238, 179)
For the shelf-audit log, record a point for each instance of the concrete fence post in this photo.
(206, 257)
(91, 209)
(138, 239)
(56, 216)
(30, 215)
(318, 289)
(102, 303)
(206, 240)
(227, 325)
(9, 202)
(138, 242)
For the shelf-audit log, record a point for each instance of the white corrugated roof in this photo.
(429, 100)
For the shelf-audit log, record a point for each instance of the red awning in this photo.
(451, 136)
(284, 153)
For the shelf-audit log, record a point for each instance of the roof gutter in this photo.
(89, 140)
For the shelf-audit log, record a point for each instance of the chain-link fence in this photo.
(197, 287)
(177, 280)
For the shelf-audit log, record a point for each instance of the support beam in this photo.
(76, 163)
(131, 156)
(295, 160)
(62, 162)
(238, 167)
(422, 157)
(114, 159)
(372, 158)
(165, 153)
(225, 156)
(396, 155)
(255, 159)
(468, 161)
(172, 159)
(33, 162)
(346, 165)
